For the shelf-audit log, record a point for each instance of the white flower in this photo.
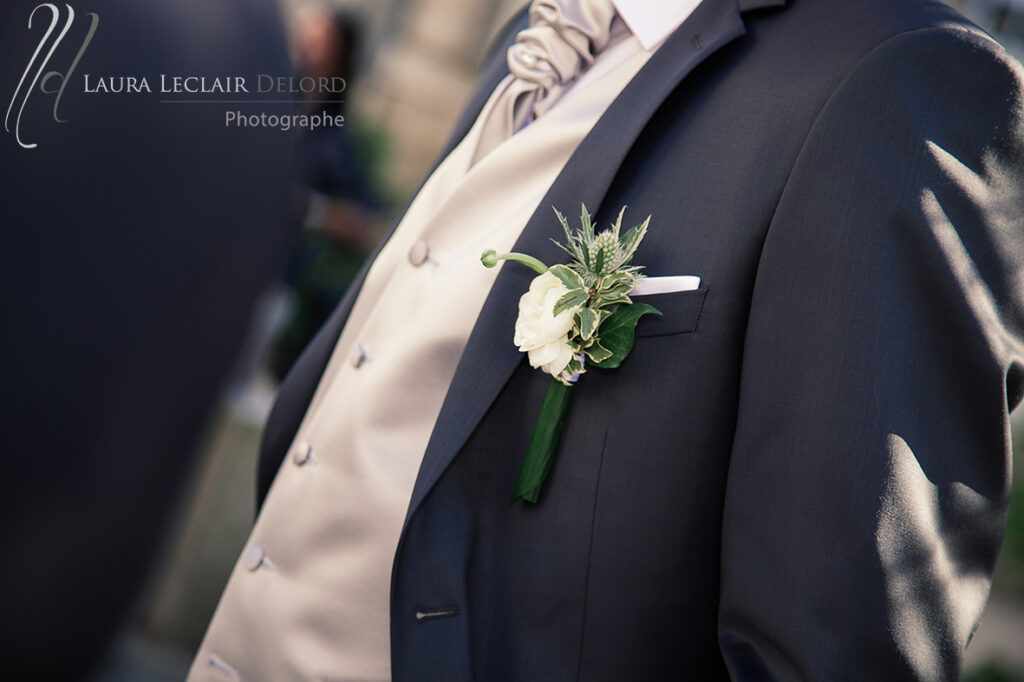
(543, 336)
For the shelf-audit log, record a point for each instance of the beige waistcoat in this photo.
(309, 598)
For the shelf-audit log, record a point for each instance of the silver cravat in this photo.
(562, 41)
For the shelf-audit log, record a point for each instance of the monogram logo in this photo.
(50, 82)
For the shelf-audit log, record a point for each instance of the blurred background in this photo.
(410, 66)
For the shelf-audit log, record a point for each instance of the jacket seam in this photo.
(590, 559)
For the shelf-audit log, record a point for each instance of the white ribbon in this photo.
(648, 286)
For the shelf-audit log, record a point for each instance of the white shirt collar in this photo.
(651, 21)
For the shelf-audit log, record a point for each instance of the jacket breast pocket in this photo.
(680, 312)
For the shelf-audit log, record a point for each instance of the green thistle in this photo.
(599, 280)
(597, 255)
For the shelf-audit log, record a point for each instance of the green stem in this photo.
(540, 454)
(490, 258)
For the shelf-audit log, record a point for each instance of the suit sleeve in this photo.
(871, 463)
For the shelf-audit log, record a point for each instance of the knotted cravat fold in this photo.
(562, 41)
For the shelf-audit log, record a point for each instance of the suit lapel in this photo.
(490, 357)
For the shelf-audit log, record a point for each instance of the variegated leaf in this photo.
(587, 232)
(571, 246)
(568, 249)
(588, 320)
(570, 300)
(598, 353)
(565, 224)
(617, 225)
(567, 276)
(631, 240)
(605, 301)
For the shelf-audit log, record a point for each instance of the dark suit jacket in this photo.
(135, 238)
(802, 470)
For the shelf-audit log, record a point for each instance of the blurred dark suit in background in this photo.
(338, 200)
(135, 237)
